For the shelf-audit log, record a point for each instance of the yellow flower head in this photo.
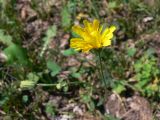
(91, 36)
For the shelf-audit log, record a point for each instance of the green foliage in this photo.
(3, 100)
(114, 62)
(68, 10)
(9, 20)
(146, 71)
(109, 117)
(62, 85)
(66, 17)
(25, 98)
(119, 86)
(87, 98)
(50, 109)
(16, 53)
(30, 82)
(145, 75)
(112, 5)
(5, 39)
(50, 33)
(88, 101)
(69, 52)
(53, 67)
(131, 52)
(43, 8)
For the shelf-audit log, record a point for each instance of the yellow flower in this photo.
(91, 36)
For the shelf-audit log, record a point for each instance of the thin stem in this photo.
(51, 85)
(46, 85)
(101, 70)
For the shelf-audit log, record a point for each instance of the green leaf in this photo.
(50, 33)
(16, 53)
(71, 5)
(74, 34)
(5, 39)
(112, 5)
(33, 77)
(66, 17)
(30, 82)
(100, 102)
(54, 67)
(76, 75)
(91, 105)
(50, 109)
(86, 98)
(126, 1)
(110, 117)
(150, 51)
(131, 52)
(25, 98)
(65, 88)
(3, 100)
(138, 66)
(119, 87)
(69, 52)
(141, 84)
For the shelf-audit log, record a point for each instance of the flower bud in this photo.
(27, 84)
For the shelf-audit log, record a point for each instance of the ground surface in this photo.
(75, 91)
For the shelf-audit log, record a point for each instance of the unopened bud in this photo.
(27, 84)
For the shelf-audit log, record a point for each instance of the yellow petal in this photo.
(100, 29)
(107, 40)
(112, 28)
(86, 49)
(86, 23)
(108, 31)
(80, 44)
(95, 24)
(87, 26)
(108, 36)
(78, 30)
(107, 43)
(76, 43)
(92, 36)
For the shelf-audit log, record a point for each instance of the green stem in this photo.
(101, 70)
(51, 85)
(46, 85)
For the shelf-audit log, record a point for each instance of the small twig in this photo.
(2, 112)
(124, 115)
